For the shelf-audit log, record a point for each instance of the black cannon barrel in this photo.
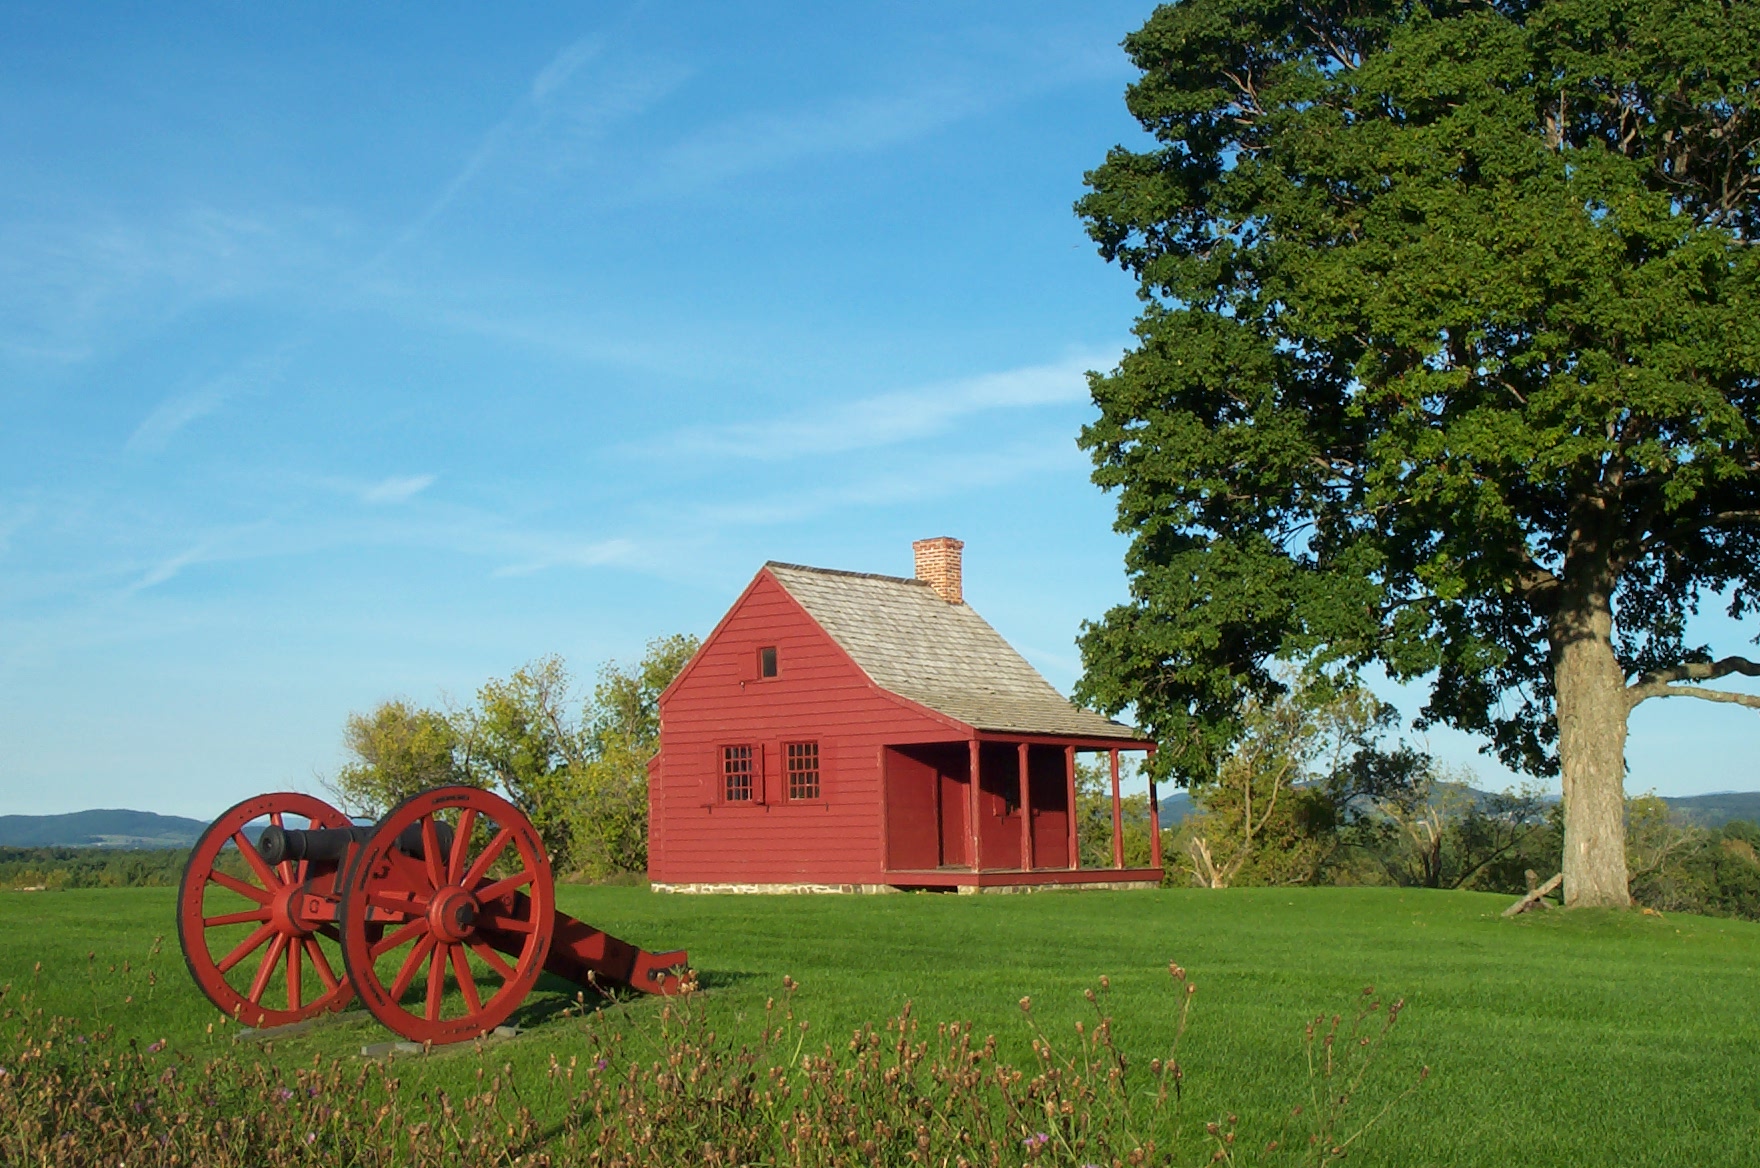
(330, 844)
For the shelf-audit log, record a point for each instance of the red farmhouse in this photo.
(827, 735)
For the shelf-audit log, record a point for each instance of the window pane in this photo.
(736, 774)
(803, 770)
(767, 662)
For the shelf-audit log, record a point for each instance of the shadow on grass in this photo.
(554, 997)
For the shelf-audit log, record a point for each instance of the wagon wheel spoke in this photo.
(461, 845)
(285, 867)
(246, 947)
(270, 959)
(492, 959)
(234, 884)
(481, 866)
(506, 923)
(394, 940)
(467, 985)
(294, 996)
(431, 853)
(436, 981)
(501, 888)
(236, 918)
(411, 963)
(252, 857)
(322, 964)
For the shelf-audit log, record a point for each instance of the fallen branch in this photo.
(1535, 896)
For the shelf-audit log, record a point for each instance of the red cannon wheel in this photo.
(477, 887)
(233, 906)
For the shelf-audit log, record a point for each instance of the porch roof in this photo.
(944, 656)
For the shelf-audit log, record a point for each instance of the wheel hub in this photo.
(284, 912)
(452, 914)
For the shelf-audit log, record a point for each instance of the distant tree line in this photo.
(1312, 793)
(576, 766)
(55, 868)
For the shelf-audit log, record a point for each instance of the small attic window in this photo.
(767, 661)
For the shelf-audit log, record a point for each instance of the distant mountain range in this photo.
(99, 829)
(143, 829)
(1716, 810)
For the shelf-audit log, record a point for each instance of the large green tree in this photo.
(1448, 361)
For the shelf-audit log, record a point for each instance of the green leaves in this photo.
(578, 771)
(1448, 310)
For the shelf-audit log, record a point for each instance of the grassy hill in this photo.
(1555, 1038)
(101, 829)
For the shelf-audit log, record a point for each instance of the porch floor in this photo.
(1009, 877)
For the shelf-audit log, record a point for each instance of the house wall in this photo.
(819, 695)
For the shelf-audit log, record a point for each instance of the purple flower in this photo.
(1035, 1141)
(284, 1094)
(311, 1137)
(600, 1065)
(153, 1049)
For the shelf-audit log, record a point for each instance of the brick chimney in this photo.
(938, 566)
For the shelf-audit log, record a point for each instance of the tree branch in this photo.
(1752, 701)
(1659, 683)
(1699, 671)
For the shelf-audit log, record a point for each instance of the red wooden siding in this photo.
(818, 695)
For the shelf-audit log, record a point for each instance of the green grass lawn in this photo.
(1581, 1038)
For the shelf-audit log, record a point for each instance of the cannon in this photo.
(440, 917)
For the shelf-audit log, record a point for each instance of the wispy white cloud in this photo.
(76, 283)
(397, 489)
(173, 414)
(890, 418)
(914, 481)
(167, 569)
(176, 412)
(566, 552)
(568, 105)
(765, 141)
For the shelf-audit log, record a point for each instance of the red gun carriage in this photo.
(441, 916)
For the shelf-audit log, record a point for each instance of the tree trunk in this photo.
(1592, 709)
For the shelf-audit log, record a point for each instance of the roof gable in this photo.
(943, 656)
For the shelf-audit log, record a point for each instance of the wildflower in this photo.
(156, 1047)
(600, 1065)
(1035, 1141)
(311, 1138)
(283, 1094)
(1026, 1005)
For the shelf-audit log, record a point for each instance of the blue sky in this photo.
(347, 354)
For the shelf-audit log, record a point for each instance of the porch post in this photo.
(1069, 779)
(1154, 812)
(972, 808)
(1026, 811)
(1117, 816)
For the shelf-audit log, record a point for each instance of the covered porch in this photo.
(1016, 826)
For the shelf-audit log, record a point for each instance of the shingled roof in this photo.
(944, 656)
